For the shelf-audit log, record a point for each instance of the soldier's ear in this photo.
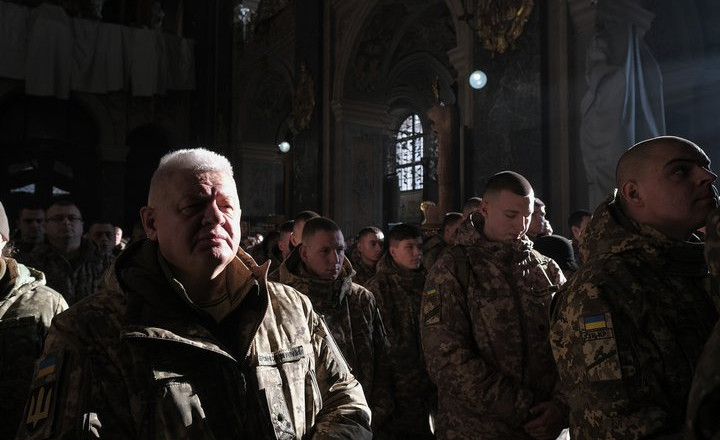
(632, 194)
(147, 215)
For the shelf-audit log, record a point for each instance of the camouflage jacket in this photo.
(27, 306)
(75, 279)
(140, 361)
(432, 248)
(704, 401)
(484, 334)
(352, 316)
(398, 293)
(628, 329)
(363, 272)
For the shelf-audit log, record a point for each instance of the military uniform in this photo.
(398, 293)
(352, 316)
(484, 334)
(139, 360)
(628, 329)
(363, 272)
(704, 402)
(27, 306)
(76, 278)
(432, 248)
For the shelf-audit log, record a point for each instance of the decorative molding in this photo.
(360, 113)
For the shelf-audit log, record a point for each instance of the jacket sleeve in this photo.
(345, 413)
(72, 395)
(587, 344)
(453, 359)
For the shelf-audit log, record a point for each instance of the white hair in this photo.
(198, 160)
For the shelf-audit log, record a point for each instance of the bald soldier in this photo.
(630, 325)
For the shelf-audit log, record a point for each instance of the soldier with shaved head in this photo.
(484, 324)
(630, 325)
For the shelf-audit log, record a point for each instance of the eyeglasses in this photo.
(61, 218)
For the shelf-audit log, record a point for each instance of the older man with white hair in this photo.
(189, 341)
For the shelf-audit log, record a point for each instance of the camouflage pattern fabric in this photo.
(137, 361)
(486, 344)
(76, 279)
(432, 248)
(414, 396)
(27, 306)
(363, 272)
(629, 328)
(353, 318)
(704, 402)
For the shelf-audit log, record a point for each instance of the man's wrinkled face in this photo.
(507, 215)
(103, 235)
(370, 246)
(324, 253)
(196, 222)
(676, 188)
(31, 224)
(407, 253)
(63, 222)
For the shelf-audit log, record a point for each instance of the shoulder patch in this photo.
(431, 305)
(599, 347)
(40, 409)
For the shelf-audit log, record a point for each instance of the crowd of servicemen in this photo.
(493, 328)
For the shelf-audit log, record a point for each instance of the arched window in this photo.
(409, 154)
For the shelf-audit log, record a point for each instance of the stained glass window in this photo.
(409, 154)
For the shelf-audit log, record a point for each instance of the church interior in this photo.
(359, 110)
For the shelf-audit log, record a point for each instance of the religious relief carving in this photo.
(499, 22)
(303, 99)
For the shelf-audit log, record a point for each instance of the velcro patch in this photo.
(595, 327)
(281, 357)
(431, 306)
(40, 410)
(599, 347)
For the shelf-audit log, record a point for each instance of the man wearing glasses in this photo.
(73, 265)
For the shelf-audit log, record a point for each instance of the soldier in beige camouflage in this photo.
(319, 269)
(398, 287)
(704, 402)
(367, 253)
(630, 325)
(485, 325)
(186, 341)
(27, 306)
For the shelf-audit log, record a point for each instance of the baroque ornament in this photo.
(499, 23)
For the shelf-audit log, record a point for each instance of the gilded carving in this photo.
(500, 22)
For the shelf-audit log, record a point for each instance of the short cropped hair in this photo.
(287, 226)
(509, 181)
(316, 224)
(403, 231)
(368, 230)
(472, 204)
(190, 159)
(450, 219)
(577, 217)
(304, 216)
(62, 201)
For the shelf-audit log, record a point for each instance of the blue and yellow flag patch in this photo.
(431, 306)
(596, 326)
(39, 412)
